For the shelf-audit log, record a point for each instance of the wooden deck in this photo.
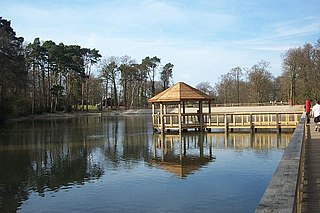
(311, 184)
(226, 121)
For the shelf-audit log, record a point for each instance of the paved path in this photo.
(311, 185)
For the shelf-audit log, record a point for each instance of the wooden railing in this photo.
(274, 103)
(227, 121)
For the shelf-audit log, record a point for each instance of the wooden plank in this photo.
(310, 189)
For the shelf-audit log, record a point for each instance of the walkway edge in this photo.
(282, 194)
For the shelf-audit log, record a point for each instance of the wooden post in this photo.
(251, 123)
(153, 116)
(209, 110)
(201, 142)
(278, 123)
(184, 112)
(180, 143)
(161, 118)
(155, 141)
(210, 148)
(179, 117)
(162, 146)
(200, 116)
(226, 127)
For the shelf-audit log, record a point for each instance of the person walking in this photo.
(315, 113)
(307, 108)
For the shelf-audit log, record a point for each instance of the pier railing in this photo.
(226, 121)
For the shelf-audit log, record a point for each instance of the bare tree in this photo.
(260, 82)
(110, 71)
(237, 74)
(206, 88)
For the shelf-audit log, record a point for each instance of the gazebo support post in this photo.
(209, 118)
(184, 112)
(200, 116)
(153, 115)
(161, 118)
(179, 117)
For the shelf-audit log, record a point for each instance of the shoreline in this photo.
(61, 115)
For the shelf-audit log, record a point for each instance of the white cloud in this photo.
(290, 29)
(202, 39)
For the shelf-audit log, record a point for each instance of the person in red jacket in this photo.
(307, 108)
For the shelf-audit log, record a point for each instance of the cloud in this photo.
(203, 39)
(297, 28)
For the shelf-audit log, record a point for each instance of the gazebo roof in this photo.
(180, 92)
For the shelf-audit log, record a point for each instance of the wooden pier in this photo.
(250, 121)
(183, 108)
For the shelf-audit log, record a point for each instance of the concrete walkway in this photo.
(311, 184)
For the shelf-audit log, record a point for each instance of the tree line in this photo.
(44, 76)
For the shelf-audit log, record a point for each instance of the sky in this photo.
(203, 39)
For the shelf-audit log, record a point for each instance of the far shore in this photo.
(79, 113)
(283, 108)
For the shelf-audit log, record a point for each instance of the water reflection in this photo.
(43, 156)
(183, 154)
(257, 141)
(37, 157)
(49, 155)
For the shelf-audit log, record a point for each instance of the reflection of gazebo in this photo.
(177, 97)
(184, 167)
(186, 158)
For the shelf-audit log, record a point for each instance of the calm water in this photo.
(117, 164)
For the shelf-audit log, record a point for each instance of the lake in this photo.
(117, 164)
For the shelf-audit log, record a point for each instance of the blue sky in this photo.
(203, 39)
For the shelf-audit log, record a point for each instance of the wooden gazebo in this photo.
(179, 107)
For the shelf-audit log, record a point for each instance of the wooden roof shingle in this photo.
(180, 92)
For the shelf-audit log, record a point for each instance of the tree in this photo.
(280, 89)
(90, 58)
(110, 71)
(127, 71)
(299, 65)
(35, 61)
(231, 86)
(260, 82)
(166, 75)
(225, 89)
(96, 90)
(139, 96)
(150, 65)
(52, 54)
(237, 74)
(13, 75)
(206, 88)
